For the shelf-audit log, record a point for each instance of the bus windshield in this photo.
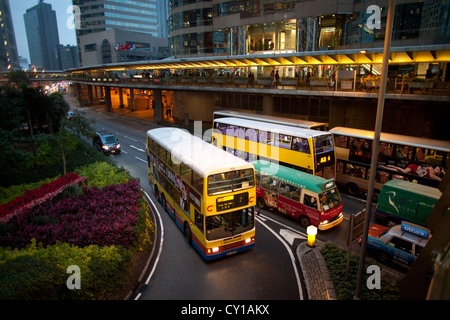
(229, 224)
(330, 199)
(230, 181)
(323, 144)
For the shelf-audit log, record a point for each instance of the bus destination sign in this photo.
(230, 202)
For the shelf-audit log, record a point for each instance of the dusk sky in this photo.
(18, 9)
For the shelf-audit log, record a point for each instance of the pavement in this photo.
(315, 272)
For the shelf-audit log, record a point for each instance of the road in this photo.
(269, 271)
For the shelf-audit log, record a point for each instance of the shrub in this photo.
(336, 261)
(41, 273)
(101, 174)
(103, 217)
(10, 193)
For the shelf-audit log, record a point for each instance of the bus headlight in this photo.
(215, 249)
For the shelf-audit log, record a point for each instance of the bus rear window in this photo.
(230, 181)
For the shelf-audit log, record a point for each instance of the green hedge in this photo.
(102, 174)
(336, 261)
(41, 273)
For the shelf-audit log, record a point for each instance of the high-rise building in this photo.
(224, 27)
(142, 20)
(9, 58)
(42, 36)
(68, 57)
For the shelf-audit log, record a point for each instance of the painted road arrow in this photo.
(290, 236)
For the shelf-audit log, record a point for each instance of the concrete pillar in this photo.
(268, 105)
(131, 100)
(120, 97)
(157, 101)
(95, 92)
(89, 91)
(108, 99)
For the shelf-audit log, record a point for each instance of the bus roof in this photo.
(441, 145)
(271, 119)
(201, 156)
(292, 176)
(411, 187)
(272, 127)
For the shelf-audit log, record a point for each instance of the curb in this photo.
(317, 277)
(139, 283)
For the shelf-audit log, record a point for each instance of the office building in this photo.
(68, 57)
(42, 36)
(101, 37)
(9, 58)
(269, 26)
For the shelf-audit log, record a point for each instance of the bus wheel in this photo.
(304, 221)
(352, 189)
(376, 195)
(261, 203)
(188, 233)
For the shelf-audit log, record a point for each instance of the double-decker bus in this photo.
(302, 196)
(306, 124)
(209, 193)
(414, 159)
(310, 151)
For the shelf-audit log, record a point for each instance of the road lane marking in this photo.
(130, 138)
(291, 236)
(138, 149)
(299, 284)
(160, 244)
(141, 159)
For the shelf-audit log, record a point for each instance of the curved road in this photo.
(266, 272)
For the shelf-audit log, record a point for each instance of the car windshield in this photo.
(109, 139)
(230, 181)
(229, 224)
(330, 199)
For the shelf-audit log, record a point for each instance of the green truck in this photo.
(401, 200)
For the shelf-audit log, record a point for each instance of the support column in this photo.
(89, 91)
(108, 99)
(95, 92)
(268, 105)
(131, 100)
(157, 102)
(120, 97)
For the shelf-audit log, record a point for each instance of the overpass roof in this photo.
(398, 55)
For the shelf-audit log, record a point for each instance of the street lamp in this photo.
(312, 232)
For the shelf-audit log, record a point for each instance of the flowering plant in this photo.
(32, 198)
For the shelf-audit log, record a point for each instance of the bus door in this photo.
(310, 206)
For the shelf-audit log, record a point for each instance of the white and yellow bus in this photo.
(209, 193)
(403, 157)
(310, 151)
(305, 124)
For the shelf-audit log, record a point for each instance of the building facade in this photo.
(42, 36)
(68, 57)
(9, 58)
(263, 26)
(119, 30)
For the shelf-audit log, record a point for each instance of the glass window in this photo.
(289, 191)
(323, 144)
(341, 141)
(229, 224)
(300, 144)
(310, 201)
(330, 199)
(197, 182)
(198, 220)
(186, 173)
(230, 181)
(401, 244)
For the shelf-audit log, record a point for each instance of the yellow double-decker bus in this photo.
(209, 193)
(310, 151)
